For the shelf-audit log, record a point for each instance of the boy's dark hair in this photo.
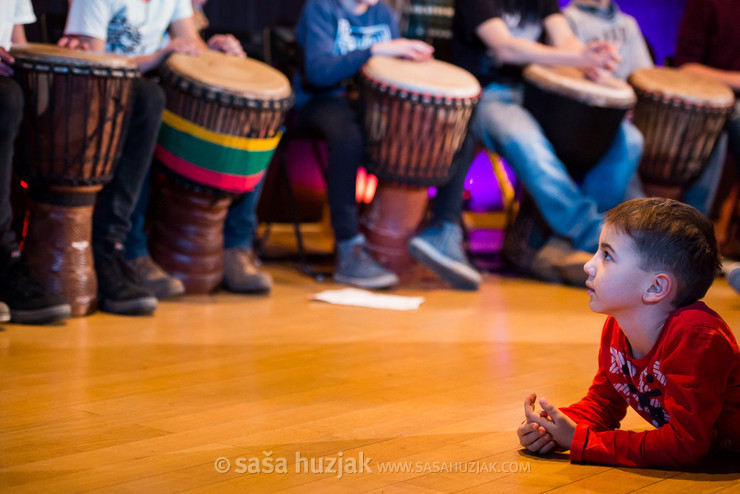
(674, 237)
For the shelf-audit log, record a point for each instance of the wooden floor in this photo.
(290, 386)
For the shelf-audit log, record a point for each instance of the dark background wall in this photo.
(247, 19)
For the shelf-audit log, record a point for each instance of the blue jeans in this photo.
(239, 227)
(572, 210)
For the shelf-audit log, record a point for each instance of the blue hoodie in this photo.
(335, 44)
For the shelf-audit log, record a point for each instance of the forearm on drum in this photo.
(186, 29)
(728, 77)
(19, 34)
(508, 49)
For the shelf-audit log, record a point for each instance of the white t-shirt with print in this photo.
(12, 13)
(129, 27)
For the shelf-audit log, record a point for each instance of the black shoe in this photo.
(118, 288)
(28, 301)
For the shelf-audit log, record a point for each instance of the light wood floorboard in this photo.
(123, 404)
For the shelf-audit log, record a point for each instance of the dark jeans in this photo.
(339, 122)
(11, 113)
(116, 202)
(239, 227)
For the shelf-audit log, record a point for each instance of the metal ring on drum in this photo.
(415, 116)
(76, 104)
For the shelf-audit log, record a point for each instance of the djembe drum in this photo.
(416, 116)
(580, 117)
(680, 115)
(69, 142)
(219, 131)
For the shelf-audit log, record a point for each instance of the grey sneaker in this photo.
(155, 279)
(439, 248)
(242, 273)
(4, 312)
(355, 266)
(733, 276)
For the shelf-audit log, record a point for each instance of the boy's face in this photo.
(615, 282)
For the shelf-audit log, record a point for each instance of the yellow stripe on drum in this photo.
(242, 143)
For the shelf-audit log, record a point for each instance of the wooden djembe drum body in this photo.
(219, 131)
(416, 117)
(76, 105)
(680, 115)
(581, 119)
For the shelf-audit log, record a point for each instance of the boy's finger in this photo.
(548, 447)
(549, 408)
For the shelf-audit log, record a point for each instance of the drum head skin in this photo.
(679, 84)
(432, 77)
(52, 54)
(228, 74)
(609, 92)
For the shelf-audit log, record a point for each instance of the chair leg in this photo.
(508, 192)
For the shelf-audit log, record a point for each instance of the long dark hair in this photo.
(527, 9)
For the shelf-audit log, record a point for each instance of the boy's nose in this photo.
(588, 266)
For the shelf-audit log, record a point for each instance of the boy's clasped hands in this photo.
(547, 431)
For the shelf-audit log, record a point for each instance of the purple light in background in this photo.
(482, 186)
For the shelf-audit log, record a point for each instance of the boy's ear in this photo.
(660, 288)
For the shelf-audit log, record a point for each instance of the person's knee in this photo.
(150, 96)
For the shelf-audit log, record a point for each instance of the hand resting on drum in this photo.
(226, 43)
(411, 49)
(600, 56)
(144, 62)
(6, 60)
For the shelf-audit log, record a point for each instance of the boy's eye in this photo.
(607, 257)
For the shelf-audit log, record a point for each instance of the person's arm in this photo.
(185, 29)
(23, 15)
(566, 50)
(729, 77)
(19, 34)
(601, 409)
(322, 67)
(325, 68)
(693, 45)
(695, 374)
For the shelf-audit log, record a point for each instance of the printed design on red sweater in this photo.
(647, 394)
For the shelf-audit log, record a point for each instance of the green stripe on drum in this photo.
(212, 156)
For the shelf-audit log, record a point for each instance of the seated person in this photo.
(663, 352)
(336, 38)
(494, 40)
(709, 44)
(602, 20)
(134, 28)
(22, 299)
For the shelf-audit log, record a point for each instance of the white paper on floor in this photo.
(364, 298)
